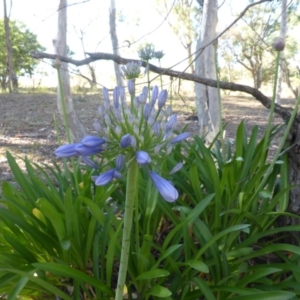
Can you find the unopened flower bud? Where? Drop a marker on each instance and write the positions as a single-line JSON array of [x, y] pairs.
[[279, 44]]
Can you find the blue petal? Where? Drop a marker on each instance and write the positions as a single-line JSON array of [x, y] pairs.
[[130, 86], [162, 98], [116, 96], [66, 150], [164, 187], [89, 162], [154, 95], [142, 157], [93, 141], [172, 122], [87, 151], [181, 137], [105, 178], [119, 161], [176, 168], [125, 141]]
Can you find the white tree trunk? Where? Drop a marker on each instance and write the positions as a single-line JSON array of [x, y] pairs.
[[60, 44], [114, 40], [206, 97], [10, 70], [283, 29]]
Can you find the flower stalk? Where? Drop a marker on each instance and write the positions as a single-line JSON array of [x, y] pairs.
[[131, 187]]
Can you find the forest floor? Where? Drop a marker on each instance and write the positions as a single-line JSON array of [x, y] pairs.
[[27, 122]]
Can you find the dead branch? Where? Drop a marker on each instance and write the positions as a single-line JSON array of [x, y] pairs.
[[263, 99]]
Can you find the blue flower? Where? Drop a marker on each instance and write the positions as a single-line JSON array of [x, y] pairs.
[[87, 151], [119, 161], [176, 168], [66, 150], [147, 111], [105, 177], [162, 98], [172, 122], [130, 86], [116, 96], [89, 162], [142, 157], [181, 137], [164, 187], [154, 95], [93, 141], [125, 141], [132, 70]]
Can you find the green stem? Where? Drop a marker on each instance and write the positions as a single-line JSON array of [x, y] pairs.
[[131, 187], [272, 108], [221, 129], [63, 105]]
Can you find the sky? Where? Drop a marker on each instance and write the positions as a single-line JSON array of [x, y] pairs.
[[91, 19]]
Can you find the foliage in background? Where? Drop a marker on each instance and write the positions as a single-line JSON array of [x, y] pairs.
[[23, 43]]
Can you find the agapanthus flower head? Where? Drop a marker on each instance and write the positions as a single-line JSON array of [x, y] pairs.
[[279, 44], [132, 70], [146, 52], [159, 54], [141, 130]]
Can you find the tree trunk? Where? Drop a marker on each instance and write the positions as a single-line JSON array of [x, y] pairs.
[[207, 97], [76, 128], [12, 79], [114, 40], [281, 63]]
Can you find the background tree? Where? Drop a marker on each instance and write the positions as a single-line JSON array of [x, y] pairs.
[[91, 68], [283, 30], [9, 64], [207, 104], [251, 42], [114, 40], [184, 21], [60, 44], [23, 43]]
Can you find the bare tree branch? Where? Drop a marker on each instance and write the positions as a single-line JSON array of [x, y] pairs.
[[263, 99]]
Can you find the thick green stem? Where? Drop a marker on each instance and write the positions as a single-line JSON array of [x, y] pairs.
[[131, 187]]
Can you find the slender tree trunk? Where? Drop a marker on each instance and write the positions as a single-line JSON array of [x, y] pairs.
[[11, 74], [207, 97], [114, 40], [76, 128], [91, 69], [283, 28]]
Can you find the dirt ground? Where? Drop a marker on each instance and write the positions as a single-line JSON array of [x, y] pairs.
[[27, 122]]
